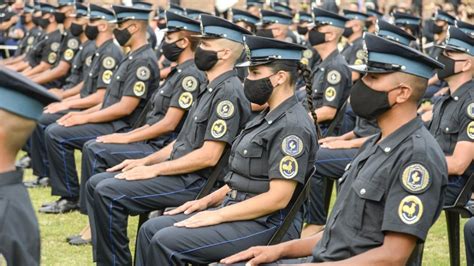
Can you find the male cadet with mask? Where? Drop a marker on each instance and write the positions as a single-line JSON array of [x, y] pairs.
[[411, 24], [276, 25], [164, 118], [129, 88], [392, 192], [176, 173], [57, 74], [249, 22], [331, 76], [452, 123], [150, 33], [96, 75], [310, 56], [21, 104], [353, 31], [45, 52]]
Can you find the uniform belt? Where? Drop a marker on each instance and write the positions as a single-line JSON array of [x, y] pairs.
[[239, 195]]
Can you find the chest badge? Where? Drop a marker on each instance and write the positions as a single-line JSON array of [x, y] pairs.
[[410, 209]]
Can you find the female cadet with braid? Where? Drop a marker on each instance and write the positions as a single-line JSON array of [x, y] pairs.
[[271, 156]]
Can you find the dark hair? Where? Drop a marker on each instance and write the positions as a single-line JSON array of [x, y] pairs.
[[193, 41], [295, 69]]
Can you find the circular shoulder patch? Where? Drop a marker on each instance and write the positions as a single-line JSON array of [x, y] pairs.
[[30, 40], [470, 110], [108, 62], [225, 109], [219, 128], [55, 46], [73, 43], [330, 94], [139, 88], [416, 179], [360, 54], [470, 130], [107, 76], [89, 60], [334, 77], [68, 54], [185, 100], [292, 146], [288, 167], [410, 209], [358, 62], [308, 54], [143, 73], [189, 83], [52, 58]]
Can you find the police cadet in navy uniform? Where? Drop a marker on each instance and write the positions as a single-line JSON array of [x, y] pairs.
[[30, 32], [21, 104], [393, 33], [392, 192], [165, 116], [131, 85], [249, 22], [331, 75], [269, 159], [276, 25], [353, 31], [452, 123], [150, 33], [100, 66], [310, 55], [176, 173], [409, 23]]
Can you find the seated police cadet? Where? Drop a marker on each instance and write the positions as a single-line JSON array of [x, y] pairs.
[[392, 192], [409, 23], [249, 22], [150, 33], [276, 25], [176, 173], [331, 77], [310, 56], [57, 74], [353, 31], [21, 103], [134, 81], [452, 124], [269, 159], [96, 77], [164, 118]]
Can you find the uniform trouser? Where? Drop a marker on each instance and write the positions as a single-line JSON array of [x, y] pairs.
[[469, 241], [455, 185], [110, 201], [160, 243], [97, 157], [60, 143], [39, 159], [330, 163]]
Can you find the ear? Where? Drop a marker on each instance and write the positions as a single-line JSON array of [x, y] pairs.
[[225, 54], [282, 77], [467, 66], [330, 36], [403, 94], [276, 31], [183, 43]]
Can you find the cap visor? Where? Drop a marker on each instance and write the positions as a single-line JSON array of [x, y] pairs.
[[363, 69], [203, 36]]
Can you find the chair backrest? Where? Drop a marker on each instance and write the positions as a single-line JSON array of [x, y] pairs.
[[212, 179], [463, 195], [302, 192], [142, 117], [339, 115]]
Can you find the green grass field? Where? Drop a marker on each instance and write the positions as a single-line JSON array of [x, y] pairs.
[[55, 228]]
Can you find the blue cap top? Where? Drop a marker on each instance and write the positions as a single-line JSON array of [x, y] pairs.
[[22, 96], [385, 56], [80, 10], [241, 15], [124, 13], [28, 9], [195, 13], [97, 12], [159, 14], [37, 6], [324, 17], [392, 32], [374, 13], [142, 4], [62, 3], [466, 27], [354, 15], [258, 3], [305, 17], [214, 27], [406, 19], [262, 50], [273, 17], [175, 22], [459, 41], [282, 8], [47, 8], [441, 15], [177, 9]]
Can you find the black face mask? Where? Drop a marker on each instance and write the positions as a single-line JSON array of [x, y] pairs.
[[347, 32], [449, 67], [59, 17], [367, 102], [161, 26], [258, 91], [122, 36], [302, 30], [36, 20], [205, 59], [91, 32], [316, 37], [76, 29], [43, 22], [437, 29], [265, 33], [171, 50]]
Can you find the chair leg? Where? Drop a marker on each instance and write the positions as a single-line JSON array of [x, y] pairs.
[[328, 183], [452, 222]]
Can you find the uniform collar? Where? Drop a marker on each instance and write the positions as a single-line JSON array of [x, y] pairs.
[[459, 93], [217, 81], [393, 140], [328, 59], [131, 55], [281, 109], [184, 65], [104, 45], [11, 178]]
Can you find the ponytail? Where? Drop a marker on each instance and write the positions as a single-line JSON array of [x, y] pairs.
[[306, 73]]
